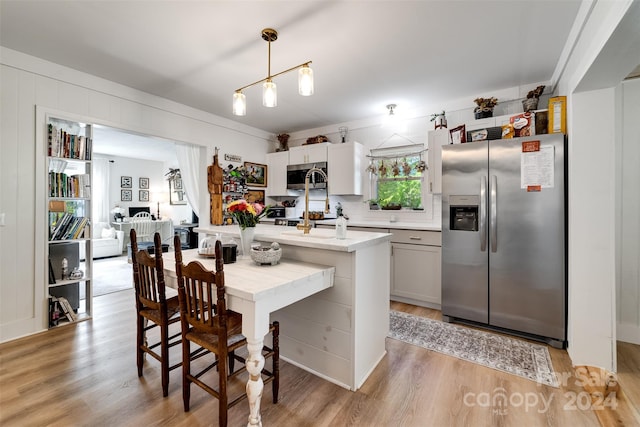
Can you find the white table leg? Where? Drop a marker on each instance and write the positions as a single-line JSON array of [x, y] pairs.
[[255, 363]]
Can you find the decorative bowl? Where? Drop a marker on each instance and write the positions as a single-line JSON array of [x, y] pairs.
[[266, 255]]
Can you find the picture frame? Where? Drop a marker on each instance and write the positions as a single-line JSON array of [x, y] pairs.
[[126, 182], [143, 183], [126, 195], [255, 196], [143, 195], [256, 174], [458, 135], [177, 196]]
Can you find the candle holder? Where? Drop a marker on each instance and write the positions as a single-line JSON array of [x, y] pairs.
[[343, 133]]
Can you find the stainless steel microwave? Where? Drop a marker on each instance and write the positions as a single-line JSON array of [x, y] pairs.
[[297, 173]]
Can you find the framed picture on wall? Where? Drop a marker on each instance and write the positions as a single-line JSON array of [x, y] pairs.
[[177, 196], [143, 195], [125, 181], [256, 174], [126, 195], [255, 196], [144, 183]]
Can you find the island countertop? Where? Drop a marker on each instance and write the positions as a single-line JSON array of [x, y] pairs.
[[317, 238]]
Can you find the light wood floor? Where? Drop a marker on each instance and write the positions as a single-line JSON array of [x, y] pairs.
[[85, 375]]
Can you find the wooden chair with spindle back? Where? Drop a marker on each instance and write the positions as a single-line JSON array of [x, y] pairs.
[[216, 329], [153, 308]]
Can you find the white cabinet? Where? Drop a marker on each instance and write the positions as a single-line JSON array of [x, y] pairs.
[[311, 153], [415, 267], [437, 138], [344, 163], [277, 174]]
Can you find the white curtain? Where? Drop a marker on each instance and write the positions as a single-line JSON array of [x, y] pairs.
[[100, 190], [189, 163]]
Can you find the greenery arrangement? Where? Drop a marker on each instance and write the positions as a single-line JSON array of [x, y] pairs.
[[436, 115], [485, 104], [535, 93]]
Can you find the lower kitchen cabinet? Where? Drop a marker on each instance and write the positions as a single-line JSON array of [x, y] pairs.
[[415, 267]]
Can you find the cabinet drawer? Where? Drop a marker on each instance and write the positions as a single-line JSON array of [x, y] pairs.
[[417, 237], [370, 229]]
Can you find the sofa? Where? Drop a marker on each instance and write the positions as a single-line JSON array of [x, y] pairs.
[[107, 241]]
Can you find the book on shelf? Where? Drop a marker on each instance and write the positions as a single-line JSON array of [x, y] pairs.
[[66, 145], [63, 185], [66, 309], [54, 311], [52, 276], [68, 227]]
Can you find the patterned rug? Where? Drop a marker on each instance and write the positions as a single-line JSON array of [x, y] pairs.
[[514, 356]]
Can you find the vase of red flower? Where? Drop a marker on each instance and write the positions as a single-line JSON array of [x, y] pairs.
[[247, 215]]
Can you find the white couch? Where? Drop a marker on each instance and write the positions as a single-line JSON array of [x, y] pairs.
[[107, 241]]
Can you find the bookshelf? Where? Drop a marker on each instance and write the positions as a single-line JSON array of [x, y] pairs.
[[69, 287]]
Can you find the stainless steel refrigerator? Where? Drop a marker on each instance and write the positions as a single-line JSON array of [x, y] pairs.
[[504, 235]]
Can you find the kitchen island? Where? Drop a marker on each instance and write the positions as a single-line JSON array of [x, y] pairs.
[[338, 333]]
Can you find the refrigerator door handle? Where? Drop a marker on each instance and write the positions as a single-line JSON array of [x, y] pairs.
[[493, 226], [483, 214]]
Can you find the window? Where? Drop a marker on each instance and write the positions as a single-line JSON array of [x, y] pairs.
[[397, 176]]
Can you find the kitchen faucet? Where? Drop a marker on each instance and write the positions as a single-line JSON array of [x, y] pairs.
[[306, 226]]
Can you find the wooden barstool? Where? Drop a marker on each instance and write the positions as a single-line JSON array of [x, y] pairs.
[[216, 329], [152, 306]]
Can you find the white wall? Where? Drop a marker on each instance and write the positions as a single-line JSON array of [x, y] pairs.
[[27, 82], [628, 233], [138, 168], [607, 49]]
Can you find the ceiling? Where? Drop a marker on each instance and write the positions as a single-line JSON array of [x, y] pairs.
[[366, 54]]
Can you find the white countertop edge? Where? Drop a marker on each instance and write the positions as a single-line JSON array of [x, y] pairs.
[[395, 225], [326, 238]]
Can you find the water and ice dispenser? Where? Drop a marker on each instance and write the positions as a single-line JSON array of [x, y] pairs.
[[463, 213]]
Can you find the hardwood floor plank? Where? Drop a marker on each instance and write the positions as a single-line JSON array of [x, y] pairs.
[[85, 374]]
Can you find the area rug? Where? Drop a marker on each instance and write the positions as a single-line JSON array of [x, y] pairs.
[[111, 275], [514, 356]]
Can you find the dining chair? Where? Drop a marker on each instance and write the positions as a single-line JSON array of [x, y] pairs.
[[143, 225], [217, 329], [153, 308]]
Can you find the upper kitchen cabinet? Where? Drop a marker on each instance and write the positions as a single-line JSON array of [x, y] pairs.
[[437, 138], [277, 174], [344, 168], [311, 153]]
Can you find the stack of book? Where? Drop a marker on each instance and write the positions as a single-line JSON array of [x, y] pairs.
[[67, 227], [66, 145], [63, 185]]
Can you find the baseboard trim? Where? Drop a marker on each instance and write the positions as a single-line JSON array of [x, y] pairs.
[[628, 332]]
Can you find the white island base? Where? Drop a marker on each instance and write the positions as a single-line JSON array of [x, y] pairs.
[[338, 333]]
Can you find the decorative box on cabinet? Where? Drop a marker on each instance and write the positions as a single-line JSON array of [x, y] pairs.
[[310, 153], [277, 174], [344, 162], [415, 267]]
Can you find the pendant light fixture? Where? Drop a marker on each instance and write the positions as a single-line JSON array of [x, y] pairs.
[[269, 89]]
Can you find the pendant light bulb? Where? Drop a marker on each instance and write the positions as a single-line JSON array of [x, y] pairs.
[[269, 94], [305, 80], [239, 104]]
